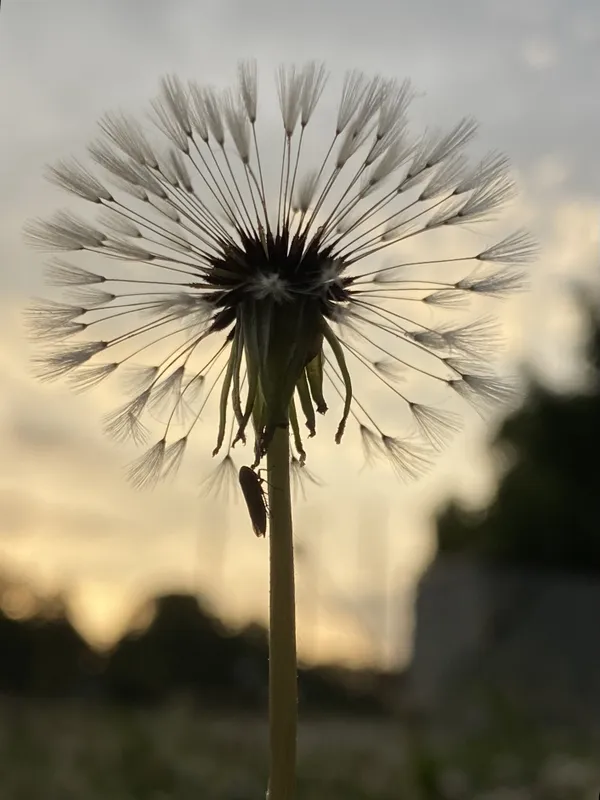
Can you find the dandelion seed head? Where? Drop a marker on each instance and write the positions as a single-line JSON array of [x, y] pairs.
[[219, 275], [263, 286]]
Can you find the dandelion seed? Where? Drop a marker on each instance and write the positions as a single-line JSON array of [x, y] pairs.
[[314, 79], [498, 283], [167, 121], [167, 393], [302, 476], [50, 320], [125, 423], [119, 224], [444, 180], [175, 100], [64, 231], [436, 147], [238, 125], [89, 376], [214, 116], [449, 143], [518, 248], [248, 85], [61, 273], [130, 176], [353, 91], [395, 155], [447, 298], [75, 178], [371, 443], [147, 470], [436, 425], [55, 365], [243, 280], [126, 251], [307, 188], [90, 297], [482, 391], [447, 213], [390, 370], [430, 339], [173, 457], [409, 459], [392, 111], [137, 378], [222, 482], [489, 170], [478, 338], [485, 199], [290, 88], [127, 134]]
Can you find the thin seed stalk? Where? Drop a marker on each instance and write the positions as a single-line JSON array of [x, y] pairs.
[[283, 689]]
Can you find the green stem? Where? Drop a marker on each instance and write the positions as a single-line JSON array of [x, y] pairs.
[[283, 690]]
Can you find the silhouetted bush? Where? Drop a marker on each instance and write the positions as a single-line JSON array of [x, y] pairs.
[[546, 512], [184, 651]]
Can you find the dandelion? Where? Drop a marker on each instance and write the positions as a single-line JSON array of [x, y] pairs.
[[214, 275]]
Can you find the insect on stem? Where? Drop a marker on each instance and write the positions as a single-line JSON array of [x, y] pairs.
[[255, 497]]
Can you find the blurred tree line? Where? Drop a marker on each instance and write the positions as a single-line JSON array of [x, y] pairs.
[[181, 651], [546, 511]]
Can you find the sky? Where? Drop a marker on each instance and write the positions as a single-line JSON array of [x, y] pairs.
[[529, 72]]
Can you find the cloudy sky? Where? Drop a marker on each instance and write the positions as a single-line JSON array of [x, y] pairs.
[[529, 72]]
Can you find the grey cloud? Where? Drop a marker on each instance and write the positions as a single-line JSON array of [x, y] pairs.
[[469, 57], [35, 433], [22, 511]]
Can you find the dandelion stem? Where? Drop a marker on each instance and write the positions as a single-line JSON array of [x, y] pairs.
[[283, 693]]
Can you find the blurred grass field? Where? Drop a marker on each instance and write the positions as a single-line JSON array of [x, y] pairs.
[[87, 752], [57, 752]]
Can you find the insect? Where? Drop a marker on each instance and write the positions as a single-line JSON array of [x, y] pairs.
[[254, 495]]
